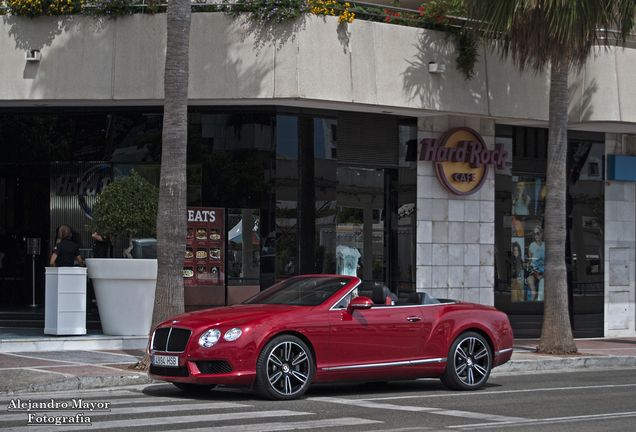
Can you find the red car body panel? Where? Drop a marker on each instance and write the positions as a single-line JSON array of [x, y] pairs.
[[375, 343]]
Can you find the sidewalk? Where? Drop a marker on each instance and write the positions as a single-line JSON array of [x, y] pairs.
[[35, 370], [31, 361]]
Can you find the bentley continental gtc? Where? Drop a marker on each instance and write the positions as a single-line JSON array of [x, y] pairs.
[[319, 328]]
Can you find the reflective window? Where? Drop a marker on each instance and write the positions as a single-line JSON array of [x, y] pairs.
[[520, 241]]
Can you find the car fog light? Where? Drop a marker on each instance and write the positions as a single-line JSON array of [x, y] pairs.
[[233, 334], [209, 338]]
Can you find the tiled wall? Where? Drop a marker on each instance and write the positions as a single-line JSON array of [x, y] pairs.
[[620, 238], [455, 234]]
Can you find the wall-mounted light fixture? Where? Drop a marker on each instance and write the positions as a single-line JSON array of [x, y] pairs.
[[436, 67], [33, 56]]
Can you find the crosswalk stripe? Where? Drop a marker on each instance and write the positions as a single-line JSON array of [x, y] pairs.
[[154, 421], [439, 411], [500, 392], [21, 415], [96, 398], [536, 422], [68, 395], [285, 426]]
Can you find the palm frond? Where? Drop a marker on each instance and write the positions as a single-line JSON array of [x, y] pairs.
[[535, 32]]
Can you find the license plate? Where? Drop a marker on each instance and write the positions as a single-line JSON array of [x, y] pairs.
[[164, 360]]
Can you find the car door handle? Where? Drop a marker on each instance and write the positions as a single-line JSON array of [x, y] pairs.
[[414, 319]]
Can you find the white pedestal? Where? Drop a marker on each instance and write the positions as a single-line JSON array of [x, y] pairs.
[[65, 302]]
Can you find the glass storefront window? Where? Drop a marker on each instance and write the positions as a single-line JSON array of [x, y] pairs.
[[244, 247], [527, 243], [300, 177], [520, 194]]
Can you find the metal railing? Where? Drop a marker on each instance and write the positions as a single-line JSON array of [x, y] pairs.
[[578, 288]]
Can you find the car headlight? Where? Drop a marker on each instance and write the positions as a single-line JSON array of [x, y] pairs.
[[209, 338], [233, 334]]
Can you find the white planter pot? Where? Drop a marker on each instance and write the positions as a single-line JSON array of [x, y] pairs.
[[125, 293]]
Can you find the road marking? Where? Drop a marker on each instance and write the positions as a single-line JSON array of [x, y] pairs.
[[284, 426], [438, 411], [484, 393], [154, 421], [408, 429], [22, 415], [101, 394], [535, 422]]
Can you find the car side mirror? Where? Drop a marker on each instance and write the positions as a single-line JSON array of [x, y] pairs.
[[359, 303]]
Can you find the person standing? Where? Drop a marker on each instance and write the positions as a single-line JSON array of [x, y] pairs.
[[101, 246], [65, 251], [290, 268]]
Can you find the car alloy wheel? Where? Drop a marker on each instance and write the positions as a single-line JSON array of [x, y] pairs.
[[469, 362], [284, 369]]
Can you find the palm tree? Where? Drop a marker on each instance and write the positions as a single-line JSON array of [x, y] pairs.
[[560, 34], [171, 223]]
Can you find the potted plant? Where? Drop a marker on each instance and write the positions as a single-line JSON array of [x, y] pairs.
[[125, 288]]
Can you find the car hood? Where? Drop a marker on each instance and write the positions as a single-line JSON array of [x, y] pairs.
[[234, 315]]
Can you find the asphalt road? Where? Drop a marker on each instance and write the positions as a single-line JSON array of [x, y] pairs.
[[569, 401]]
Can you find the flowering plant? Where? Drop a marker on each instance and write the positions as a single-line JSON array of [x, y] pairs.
[[442, 13], [265, 11], [34, 8], [331, 7]]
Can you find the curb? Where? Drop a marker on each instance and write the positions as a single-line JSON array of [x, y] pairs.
[[82, 383], [511, 367], [566, 363]]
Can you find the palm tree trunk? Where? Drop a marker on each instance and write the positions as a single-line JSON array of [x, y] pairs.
[[556, 333], [171, 217]]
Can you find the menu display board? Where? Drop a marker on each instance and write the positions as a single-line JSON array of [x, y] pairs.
[[205, 247]]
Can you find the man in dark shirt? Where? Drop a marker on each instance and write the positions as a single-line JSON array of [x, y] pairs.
[[101, 246], [65, 251]]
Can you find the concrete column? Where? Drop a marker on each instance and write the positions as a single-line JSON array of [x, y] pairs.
[[455, 234], [620, 252]]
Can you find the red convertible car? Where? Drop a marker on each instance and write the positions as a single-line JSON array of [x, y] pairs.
[[321, 328]]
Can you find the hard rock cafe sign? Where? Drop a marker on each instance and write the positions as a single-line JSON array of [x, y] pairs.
[[462, 159], [85, 184]]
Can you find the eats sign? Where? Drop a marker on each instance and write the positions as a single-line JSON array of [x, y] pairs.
[[205, 247], [462, 159]]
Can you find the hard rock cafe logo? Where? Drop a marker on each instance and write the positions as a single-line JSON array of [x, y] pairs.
[[88, 184], [461, 159]]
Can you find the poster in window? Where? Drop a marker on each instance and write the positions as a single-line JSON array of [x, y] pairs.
[[528, 196], [517, 269], [205, 246], [527, 248]]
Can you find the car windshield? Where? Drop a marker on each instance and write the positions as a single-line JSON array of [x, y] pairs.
[[309, 291]]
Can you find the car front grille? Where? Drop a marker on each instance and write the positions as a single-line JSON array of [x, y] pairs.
[[214, 367], [170, 339], [180, 372]]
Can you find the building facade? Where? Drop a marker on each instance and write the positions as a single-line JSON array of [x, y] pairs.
[[331, 141]]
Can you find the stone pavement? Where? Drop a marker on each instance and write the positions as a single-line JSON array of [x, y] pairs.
[[46, 371]]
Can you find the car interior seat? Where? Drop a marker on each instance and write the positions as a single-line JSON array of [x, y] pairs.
[[382, 295], [414, 298], [421, 298]]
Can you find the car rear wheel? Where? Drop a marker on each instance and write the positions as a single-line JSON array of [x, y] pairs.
[[469, 362], [284, 368], [194, 388]]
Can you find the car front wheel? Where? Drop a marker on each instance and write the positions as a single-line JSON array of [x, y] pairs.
[[284, 368], [469, 362]]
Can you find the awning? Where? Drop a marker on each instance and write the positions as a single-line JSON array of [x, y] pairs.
[[236, 234]]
